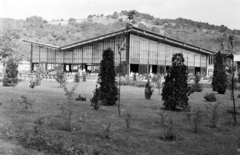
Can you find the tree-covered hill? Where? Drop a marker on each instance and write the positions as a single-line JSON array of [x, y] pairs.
[[61, 32]]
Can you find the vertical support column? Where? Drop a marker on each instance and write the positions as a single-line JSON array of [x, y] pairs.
[[194, 68], [46, 64], [207, 64], [92, 59], [165, 66], [82, 57], [39, 53], [31, 59], [157, 59], [200, 64], [47, 54], [55, 56], [127, 52], [148, 57], [72, 55], [150, 69], [64, 59]]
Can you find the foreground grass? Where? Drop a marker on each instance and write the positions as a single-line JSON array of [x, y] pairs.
[[144, 136]]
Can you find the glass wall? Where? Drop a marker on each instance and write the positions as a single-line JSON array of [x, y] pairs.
[[143, 51], [35, 53], [197, 60], [185, 56], [161, 54], [191, 59], [43, 54], [169, 55], [51, 55], [77, 55], [203, 61], [153, 52], [68, 57], [97, 51], [59, 56], [134, 53], [87, 53]]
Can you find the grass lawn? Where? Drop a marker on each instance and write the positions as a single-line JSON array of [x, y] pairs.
[[89, 126]]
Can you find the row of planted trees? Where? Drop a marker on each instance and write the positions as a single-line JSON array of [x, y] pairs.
[[175, 90]]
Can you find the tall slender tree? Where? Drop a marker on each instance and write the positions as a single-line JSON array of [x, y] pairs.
[[218, 62], [108, 85], [231, 71], [219, 82], [175, 88]]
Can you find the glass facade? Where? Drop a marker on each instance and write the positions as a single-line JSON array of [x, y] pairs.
[[35, 53], [142, 52]]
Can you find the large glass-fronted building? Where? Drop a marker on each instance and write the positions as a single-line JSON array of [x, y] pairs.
[[144, 52]]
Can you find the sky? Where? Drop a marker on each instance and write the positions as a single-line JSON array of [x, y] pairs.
[[217, 12]]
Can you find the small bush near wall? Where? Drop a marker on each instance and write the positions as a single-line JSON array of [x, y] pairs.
[[210, 97], [148, 90], [77, 77]]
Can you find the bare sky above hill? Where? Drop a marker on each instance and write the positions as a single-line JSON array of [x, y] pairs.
[[218, 12]]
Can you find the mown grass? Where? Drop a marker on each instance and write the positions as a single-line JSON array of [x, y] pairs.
[[145, 134]]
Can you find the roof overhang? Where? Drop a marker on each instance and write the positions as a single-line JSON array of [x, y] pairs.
[[94, 39], [141, 32], [41, 44], [171, 41]]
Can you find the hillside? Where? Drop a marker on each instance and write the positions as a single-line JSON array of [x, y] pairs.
[[62, 32], [200, 34]]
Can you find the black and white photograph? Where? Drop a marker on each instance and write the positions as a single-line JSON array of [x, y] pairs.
[[119, 77]]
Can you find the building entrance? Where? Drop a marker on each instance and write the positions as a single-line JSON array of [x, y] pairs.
[[134, 68]]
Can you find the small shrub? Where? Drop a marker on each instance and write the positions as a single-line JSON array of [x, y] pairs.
[[40, 71], [32, 84], [196, 87], [210, 97], [81, 98], [148, 90], [128, 118], [84, 77], [163, 116], [77, 77], [60, 76], [155, 78], [169, 133], [27, 104], [134, 77], [214, 114], [196, 119], [108, 131], [66, 108], [95, 102], [11, 73], [82, 117]]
